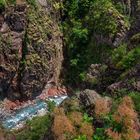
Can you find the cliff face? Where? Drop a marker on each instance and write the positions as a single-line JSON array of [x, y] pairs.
[[30, 48]]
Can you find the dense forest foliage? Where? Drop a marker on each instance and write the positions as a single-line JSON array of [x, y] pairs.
[[90, 29]]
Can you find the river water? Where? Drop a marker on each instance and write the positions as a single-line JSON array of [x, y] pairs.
[[17, 120]]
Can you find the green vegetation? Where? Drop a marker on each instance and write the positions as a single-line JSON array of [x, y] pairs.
[[136, 99], [86, 22], [32, 2], [51, 105], [89, 29], [2, 4], [131, 59], [124, 58], [38, 127], [119, 53], [11, 1], [81, 137], [35, 129], [38, 28], [87, 118], [100, 134], [116, 125]]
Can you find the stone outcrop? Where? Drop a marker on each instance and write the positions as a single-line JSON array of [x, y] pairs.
[[129, 81], [88, 99], [95, 73], [12, 35], [122, 28], [100, 76], [106, 78], [31, 49]]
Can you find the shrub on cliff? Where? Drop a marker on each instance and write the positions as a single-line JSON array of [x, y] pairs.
[[2, 5], [128, 120], [124, 58], [70, 126], [87, 24], [35, 129], [136, 99], [62, 127], [121, 123], [32, 2], [102, 108]]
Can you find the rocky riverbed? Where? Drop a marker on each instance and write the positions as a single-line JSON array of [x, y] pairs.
[[13, 115]]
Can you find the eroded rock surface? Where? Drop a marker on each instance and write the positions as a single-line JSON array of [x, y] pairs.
[[31, 50], [89, 98]]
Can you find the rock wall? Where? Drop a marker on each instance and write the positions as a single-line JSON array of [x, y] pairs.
[[30, 49]]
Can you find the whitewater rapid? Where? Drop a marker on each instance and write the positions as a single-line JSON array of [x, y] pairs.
[[38, 108]]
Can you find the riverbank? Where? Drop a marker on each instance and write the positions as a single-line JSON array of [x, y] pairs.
[[13, 115]]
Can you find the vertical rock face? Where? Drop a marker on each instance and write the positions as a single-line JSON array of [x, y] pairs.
[[130, 8], [30, 49], [12, 30]]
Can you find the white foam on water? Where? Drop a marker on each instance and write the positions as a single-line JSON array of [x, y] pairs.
[[38, 109]]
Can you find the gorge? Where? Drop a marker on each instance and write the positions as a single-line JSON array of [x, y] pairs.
[[84, 55]]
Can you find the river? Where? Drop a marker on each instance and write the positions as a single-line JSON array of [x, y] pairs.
[[39, 107]]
